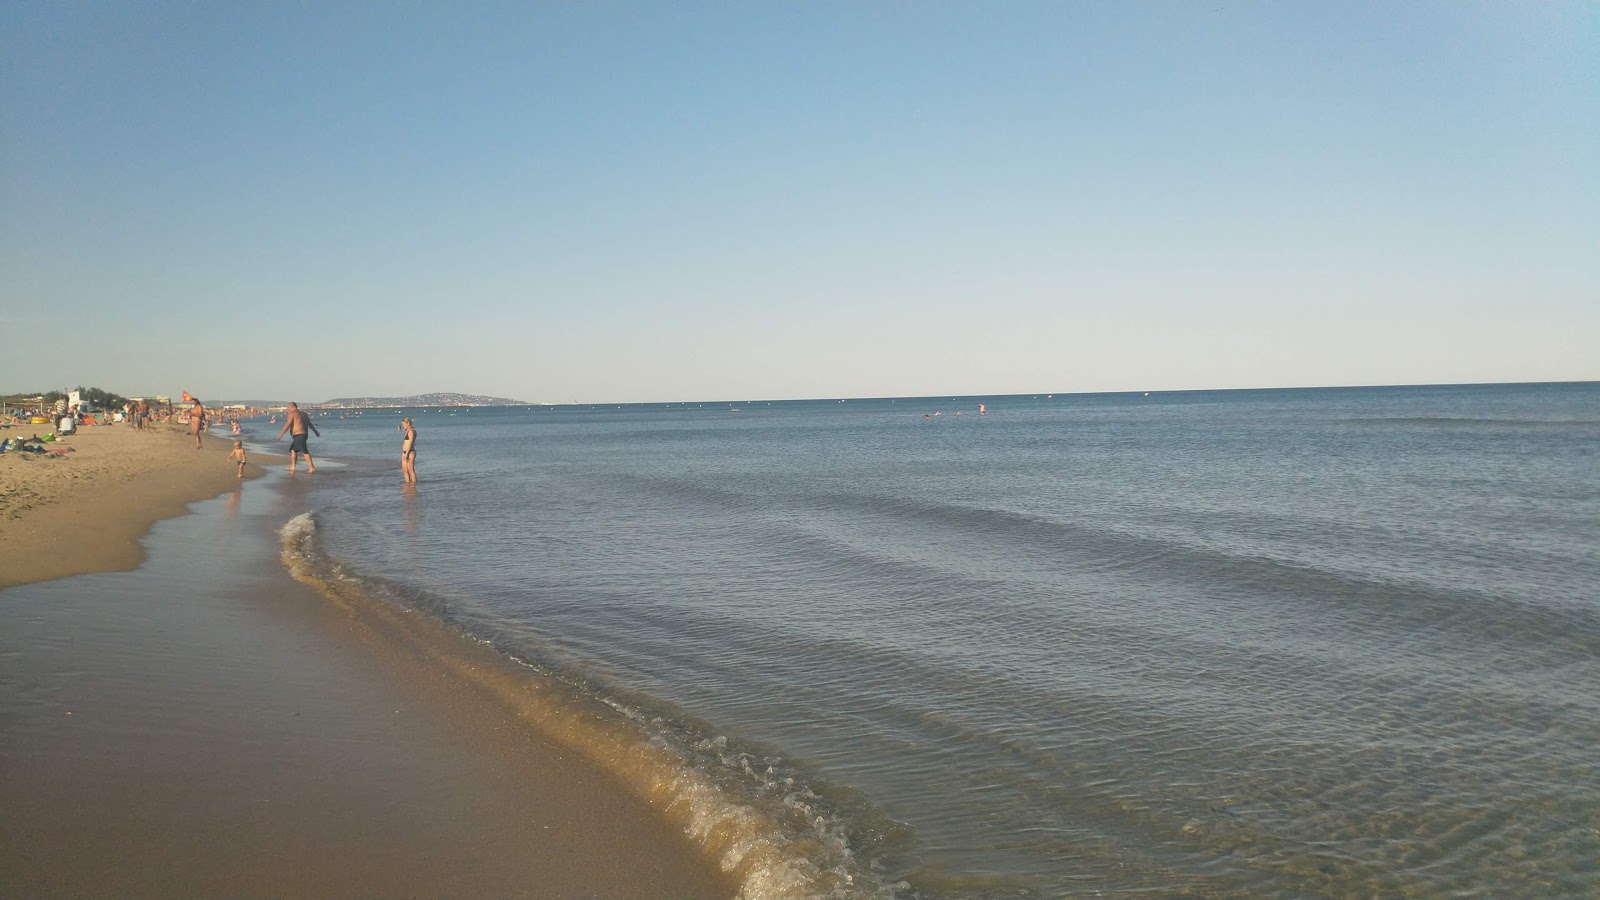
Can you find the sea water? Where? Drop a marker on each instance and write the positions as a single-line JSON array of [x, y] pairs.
[[1338, 642]]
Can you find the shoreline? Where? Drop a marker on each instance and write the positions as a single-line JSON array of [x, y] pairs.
[[183, 717], [86, 510]]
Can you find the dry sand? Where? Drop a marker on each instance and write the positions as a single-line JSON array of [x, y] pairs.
[[204, 725]]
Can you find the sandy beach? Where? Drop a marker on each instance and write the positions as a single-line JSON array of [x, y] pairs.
[[182, 718], [85, 510]]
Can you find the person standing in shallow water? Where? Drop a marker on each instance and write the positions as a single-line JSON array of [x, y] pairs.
[[408, 450], [296, 422]]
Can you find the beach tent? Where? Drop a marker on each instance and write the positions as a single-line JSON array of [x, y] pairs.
[[15, 405]]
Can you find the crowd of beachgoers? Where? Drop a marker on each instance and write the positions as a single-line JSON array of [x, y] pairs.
[[64, 417]]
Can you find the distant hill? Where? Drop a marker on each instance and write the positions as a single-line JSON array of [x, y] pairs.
[[445, 399], [258, 404]]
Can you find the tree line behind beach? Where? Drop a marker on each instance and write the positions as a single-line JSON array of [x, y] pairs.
[[42, 403]]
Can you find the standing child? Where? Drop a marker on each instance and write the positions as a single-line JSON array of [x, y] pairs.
[[237, 456]]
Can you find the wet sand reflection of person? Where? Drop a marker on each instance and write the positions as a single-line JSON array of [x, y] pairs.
[[408, 503]]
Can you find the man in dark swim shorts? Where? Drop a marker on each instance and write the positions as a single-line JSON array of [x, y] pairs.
[[296, 422]]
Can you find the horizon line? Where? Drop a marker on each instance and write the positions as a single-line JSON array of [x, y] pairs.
[[954, 396]]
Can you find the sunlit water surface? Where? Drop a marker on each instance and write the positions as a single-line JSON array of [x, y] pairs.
[[1298, 642]]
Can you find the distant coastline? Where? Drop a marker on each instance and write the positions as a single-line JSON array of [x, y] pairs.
[[472, 400], [437, 399], [414, 400]]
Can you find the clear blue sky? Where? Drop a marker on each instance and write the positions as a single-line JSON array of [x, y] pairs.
[[675, 201]]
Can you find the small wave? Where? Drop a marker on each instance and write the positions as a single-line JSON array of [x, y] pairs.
[[298, 529], [1374, 601], [756, 818]]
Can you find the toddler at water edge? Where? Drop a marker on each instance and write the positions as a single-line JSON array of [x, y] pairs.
[[237, 456]]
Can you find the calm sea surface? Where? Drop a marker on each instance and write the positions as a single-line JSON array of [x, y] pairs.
[[1318, 642]]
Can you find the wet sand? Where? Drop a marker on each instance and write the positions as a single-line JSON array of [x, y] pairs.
[[204, 725]]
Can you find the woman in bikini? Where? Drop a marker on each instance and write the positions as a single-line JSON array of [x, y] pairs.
[[408, 450]]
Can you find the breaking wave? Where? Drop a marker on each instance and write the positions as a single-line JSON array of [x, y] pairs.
[[756, 817]]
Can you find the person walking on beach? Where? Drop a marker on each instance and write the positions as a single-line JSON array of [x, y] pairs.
[[237, 456], [408, 450], [197, 419], [296, 422]]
